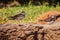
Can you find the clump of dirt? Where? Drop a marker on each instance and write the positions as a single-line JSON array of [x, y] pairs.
[[17, 32], [52, 34]]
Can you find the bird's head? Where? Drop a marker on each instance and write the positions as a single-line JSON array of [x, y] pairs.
[[23, 13]]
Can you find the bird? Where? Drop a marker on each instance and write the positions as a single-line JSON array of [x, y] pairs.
[[18, 16], [52, 18]]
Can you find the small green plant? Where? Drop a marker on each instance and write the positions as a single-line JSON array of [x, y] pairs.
[[32, 12]]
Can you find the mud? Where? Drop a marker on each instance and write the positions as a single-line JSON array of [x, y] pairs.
[[15, 32]]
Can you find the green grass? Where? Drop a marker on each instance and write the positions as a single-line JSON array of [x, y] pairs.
[[32, 12]]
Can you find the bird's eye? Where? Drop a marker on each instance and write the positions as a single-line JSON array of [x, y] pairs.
[[53, 17]]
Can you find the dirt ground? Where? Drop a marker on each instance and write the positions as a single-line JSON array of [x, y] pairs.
[[47, 27]]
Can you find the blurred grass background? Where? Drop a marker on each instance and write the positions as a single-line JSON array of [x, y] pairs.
[[32, 12]]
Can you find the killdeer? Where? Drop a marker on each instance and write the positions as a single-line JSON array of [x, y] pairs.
[[19, 16], [50, 20]]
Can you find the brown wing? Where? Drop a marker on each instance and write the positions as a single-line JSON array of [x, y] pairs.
[[19, 16]]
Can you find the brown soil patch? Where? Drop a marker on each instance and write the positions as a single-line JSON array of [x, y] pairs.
[[18, 32]]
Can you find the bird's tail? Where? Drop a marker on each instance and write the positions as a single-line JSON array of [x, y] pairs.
[[11, 18]]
